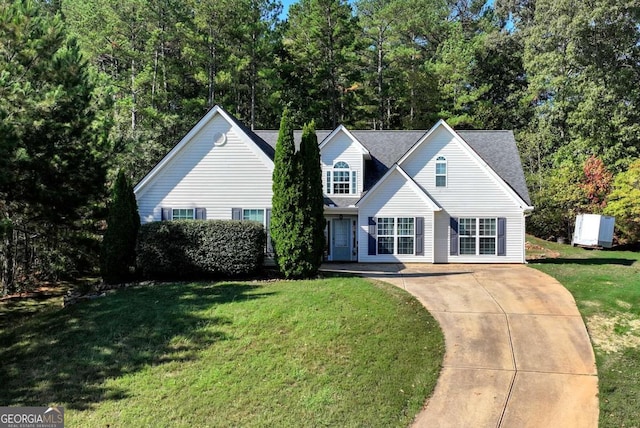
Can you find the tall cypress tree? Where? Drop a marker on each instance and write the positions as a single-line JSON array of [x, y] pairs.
[[118, 254], [285, 229], [312, 205]]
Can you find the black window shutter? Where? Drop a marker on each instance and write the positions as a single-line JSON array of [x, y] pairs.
[[201, 213], [453, 244], [419, 236], [267, 226], [373, 232], [166, 214], [502, 236], [236, 213]]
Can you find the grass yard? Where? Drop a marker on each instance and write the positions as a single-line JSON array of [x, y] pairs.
[[338, 351], [606, 286]]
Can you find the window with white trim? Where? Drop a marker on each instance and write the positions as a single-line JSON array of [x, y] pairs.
[[253, 215], [386, 228], [341, 180], [405, 235], [396, 235], [183, 214], [478, 236], [441, 171]]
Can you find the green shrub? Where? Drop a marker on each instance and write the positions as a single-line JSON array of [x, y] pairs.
[[193, 249]]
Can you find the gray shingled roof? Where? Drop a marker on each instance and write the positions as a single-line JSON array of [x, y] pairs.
[[497, 148], [271, 136]]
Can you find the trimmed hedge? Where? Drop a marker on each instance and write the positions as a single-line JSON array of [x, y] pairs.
[[192, 249]]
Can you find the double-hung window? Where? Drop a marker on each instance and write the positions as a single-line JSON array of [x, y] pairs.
[[396, 235], [341, 180], [441, 171], [477, 236], [405, 235], [386, 235]]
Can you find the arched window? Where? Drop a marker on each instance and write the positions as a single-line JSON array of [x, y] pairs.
[[341, 180], [441, 171]]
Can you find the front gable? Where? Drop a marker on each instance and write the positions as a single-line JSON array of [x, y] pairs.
[[396, 198], [468, 183], [342, 159], [216, 166], [396, 191]]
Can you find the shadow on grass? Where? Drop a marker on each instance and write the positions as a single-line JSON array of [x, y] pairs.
[[66, 356], [592, 261], [381, 275]]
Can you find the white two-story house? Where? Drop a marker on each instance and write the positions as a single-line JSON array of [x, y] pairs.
[[436, 196]]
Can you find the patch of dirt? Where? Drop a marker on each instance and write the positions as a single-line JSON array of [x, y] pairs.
[[623, 304], [591, 304], [537, 252], [40, 293], [602, 330]]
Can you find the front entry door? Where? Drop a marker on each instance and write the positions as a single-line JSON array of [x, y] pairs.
[[341, 240]]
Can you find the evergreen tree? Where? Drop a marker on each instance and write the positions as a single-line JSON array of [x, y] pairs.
[[285, 227], [52, 145], [311, 210], [118, 255], [322, 71]]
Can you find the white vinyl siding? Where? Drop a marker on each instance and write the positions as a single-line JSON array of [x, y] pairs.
[[397, 200], [342, 149], [217, 178], [470, 192]]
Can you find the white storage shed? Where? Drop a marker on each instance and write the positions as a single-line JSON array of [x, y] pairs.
[[593, 230]]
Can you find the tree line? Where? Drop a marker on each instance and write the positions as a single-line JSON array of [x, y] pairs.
[[88, 87]]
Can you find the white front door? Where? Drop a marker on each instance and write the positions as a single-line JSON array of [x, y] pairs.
[[341, 239]]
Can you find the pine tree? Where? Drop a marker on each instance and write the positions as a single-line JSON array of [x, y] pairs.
[[285, 229], [312, 206], [118, 254], [323, 73], [53, 145]]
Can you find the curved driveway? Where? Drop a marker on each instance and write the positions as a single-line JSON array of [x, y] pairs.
[[517, 350]]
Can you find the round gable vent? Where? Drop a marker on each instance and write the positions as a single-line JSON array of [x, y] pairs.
[[219, 139]]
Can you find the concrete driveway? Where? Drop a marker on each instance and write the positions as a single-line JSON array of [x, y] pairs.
[[517, 350]]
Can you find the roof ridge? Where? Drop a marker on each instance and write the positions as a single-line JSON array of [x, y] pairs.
[[484, 130]]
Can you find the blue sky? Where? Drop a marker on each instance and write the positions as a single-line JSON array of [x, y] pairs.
[[285, 8]]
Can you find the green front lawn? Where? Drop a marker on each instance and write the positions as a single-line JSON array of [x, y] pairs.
[[606, 286], [332, 352]]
